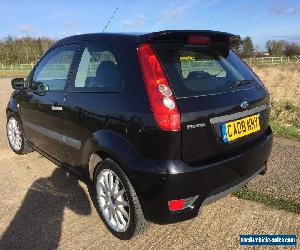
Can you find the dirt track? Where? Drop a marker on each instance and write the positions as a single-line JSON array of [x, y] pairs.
[[41, 206]]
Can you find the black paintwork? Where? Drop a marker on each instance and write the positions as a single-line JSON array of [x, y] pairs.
[[118, 123]]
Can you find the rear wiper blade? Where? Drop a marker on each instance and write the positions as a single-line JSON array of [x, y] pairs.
[[241, 82]]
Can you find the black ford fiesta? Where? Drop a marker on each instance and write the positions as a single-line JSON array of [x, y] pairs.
[[159, 124]]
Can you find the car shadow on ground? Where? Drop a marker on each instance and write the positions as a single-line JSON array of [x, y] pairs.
[[38, 222]]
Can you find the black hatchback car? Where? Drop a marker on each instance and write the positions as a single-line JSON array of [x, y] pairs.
[[159, 123]]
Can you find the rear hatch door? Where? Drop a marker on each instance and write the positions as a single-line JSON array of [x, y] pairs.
[[223, 105]]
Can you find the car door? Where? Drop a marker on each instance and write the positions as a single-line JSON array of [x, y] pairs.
[[42, 110], [92, 96]]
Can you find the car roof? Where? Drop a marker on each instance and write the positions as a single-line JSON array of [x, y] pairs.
[[141, 37]]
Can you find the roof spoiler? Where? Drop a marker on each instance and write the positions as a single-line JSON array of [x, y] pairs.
[[183, 35]]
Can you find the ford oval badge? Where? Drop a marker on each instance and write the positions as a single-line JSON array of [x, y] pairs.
[[244, 104]]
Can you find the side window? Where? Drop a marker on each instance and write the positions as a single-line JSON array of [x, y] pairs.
[[98, 68], [53, 70]]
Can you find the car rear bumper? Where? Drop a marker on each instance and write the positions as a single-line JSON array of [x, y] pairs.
[[157, 182]]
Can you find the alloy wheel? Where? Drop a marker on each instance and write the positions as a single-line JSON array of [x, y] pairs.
[[113, 201], [14, 134]]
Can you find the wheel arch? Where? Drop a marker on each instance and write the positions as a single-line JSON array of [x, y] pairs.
[[8, 111], [107, 144], [12, 107]]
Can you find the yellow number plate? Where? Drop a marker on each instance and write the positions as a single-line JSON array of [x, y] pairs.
[[239, 128]]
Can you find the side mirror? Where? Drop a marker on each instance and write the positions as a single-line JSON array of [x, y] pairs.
[[18, 83], [42, 87]]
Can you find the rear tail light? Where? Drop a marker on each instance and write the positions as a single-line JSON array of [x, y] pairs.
[[198, 39], [177, 205], [159, 93]]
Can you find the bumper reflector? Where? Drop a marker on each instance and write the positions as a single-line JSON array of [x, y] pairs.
[[176, 205]]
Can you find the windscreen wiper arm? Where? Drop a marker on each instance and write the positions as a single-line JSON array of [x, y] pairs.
[[241, 82]]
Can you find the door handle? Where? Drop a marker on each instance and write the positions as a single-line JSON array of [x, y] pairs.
[[56, 108]]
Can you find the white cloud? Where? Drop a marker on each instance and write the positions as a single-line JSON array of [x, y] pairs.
[[63, 34], [69, 24], [67, 33], [135, 22], [176, 12], [280, 7], [26, 28]]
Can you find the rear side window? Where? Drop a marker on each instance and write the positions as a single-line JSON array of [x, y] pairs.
[[201, 70], [98, 68], [53, 69]]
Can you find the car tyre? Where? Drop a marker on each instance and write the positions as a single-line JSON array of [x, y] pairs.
[[116, 200], [15, 136]]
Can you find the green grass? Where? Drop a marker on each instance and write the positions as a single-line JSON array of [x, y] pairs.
[[269, 200], [14, 74], [285, 119], [289, 132]]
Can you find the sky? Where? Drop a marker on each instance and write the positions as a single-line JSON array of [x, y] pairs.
[[260, 19]]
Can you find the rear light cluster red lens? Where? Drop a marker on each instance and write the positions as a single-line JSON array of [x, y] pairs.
[[162, 101]]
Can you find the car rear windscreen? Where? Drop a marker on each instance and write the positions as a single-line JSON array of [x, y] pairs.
[[202, 70]]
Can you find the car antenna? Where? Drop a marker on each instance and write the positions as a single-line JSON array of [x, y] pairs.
[[108, 22]]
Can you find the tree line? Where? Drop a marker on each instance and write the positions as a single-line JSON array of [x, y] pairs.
[[23, 50], [278, 48], [29, 50], [245, 48]]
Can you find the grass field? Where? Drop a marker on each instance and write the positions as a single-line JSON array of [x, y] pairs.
[[283, 83], [13, 73]]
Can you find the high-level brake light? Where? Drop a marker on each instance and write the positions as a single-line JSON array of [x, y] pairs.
[[159, 93], [198, 39]]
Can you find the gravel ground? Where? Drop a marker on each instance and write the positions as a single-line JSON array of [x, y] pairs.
[[283, 176], [43, 207]]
